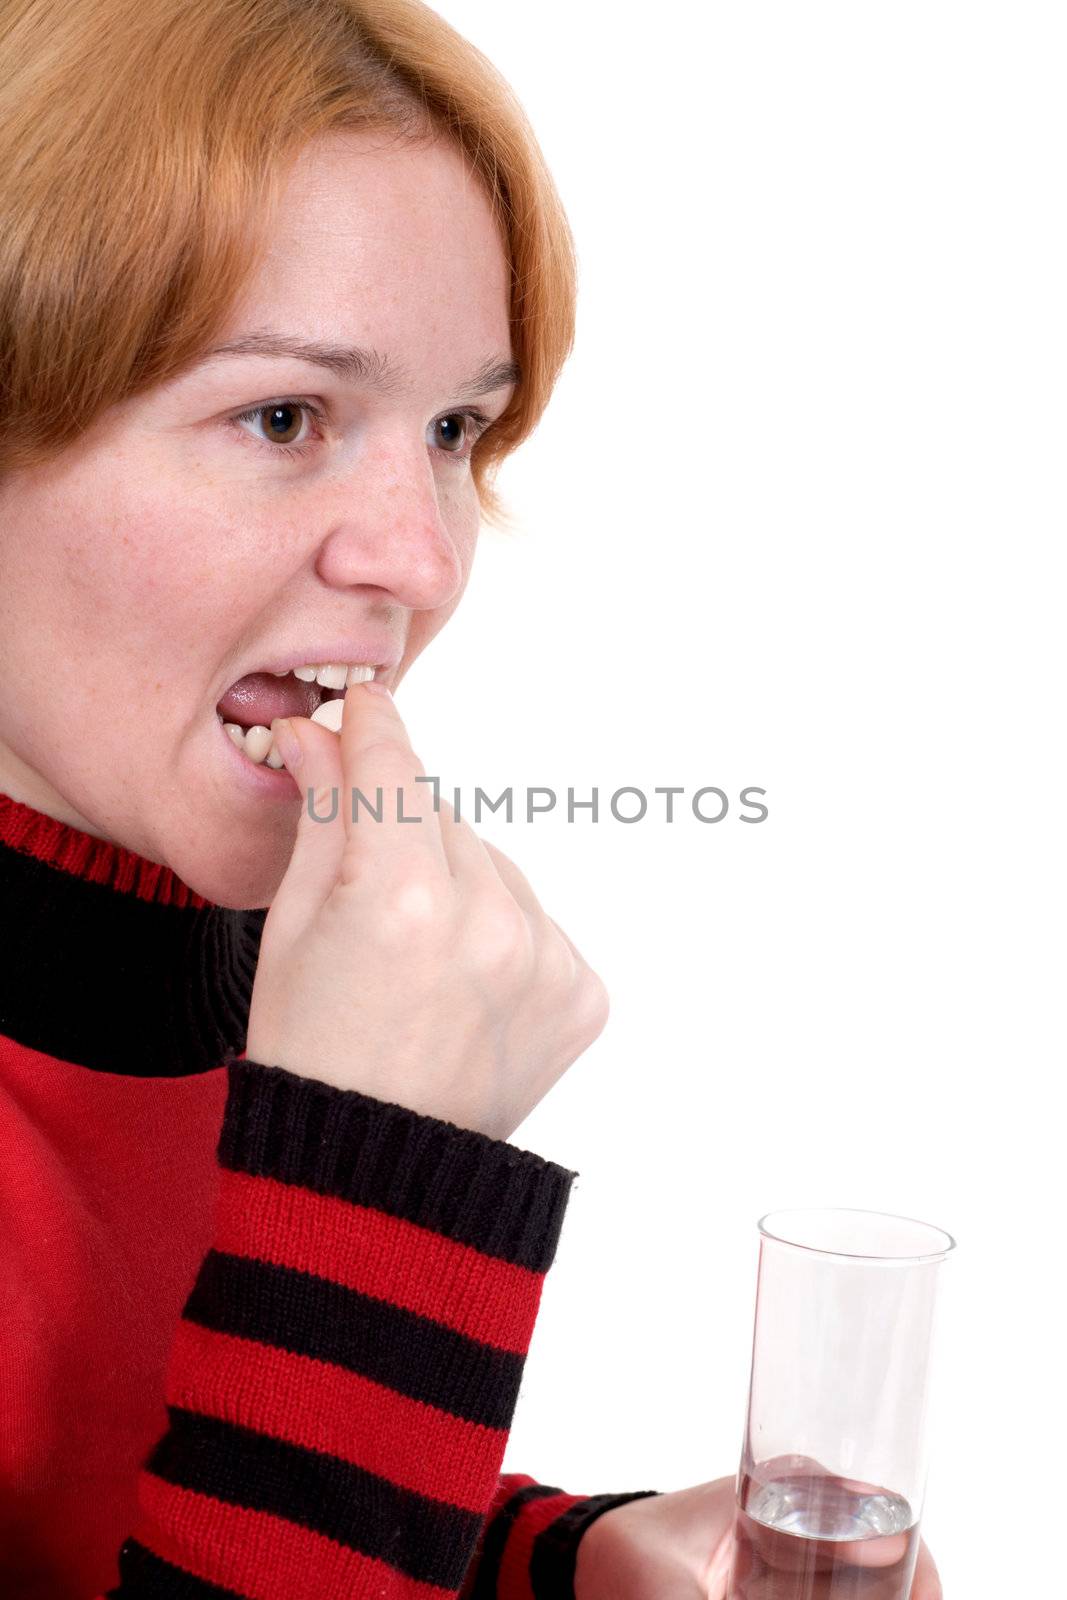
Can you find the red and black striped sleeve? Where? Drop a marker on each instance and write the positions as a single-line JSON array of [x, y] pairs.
[[528, 1547], [346, 1367]]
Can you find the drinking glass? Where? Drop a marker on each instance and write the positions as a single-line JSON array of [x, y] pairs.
[[833, 1465]]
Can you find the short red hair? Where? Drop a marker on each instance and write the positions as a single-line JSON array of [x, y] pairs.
[[142, 147]]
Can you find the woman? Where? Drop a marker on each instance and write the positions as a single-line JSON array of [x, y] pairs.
[[281, 285]]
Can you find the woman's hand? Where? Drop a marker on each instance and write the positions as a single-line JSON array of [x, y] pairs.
[[409, 959], [680, 1547]]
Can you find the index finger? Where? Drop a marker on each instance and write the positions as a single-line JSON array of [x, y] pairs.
[[384, 807], [926, 1584]]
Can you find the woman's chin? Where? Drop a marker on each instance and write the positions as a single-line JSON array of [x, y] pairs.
[[236, 838], [242, 878]]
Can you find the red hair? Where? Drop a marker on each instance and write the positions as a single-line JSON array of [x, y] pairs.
[[142, 149]]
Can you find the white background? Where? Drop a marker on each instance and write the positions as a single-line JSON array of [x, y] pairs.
[[794, 519]]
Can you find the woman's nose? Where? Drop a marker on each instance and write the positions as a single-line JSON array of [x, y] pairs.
[[388, 531]]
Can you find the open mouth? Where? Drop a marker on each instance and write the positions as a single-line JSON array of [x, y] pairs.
[[249, 706]]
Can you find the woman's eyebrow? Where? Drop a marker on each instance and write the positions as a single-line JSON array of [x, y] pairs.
[[356, 365]]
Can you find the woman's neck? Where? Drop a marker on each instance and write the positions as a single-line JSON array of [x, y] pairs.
[[21, 783]]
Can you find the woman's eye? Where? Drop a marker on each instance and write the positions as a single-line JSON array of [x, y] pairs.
[[452, 431], [285, 426], [459, 431], [282, 422]]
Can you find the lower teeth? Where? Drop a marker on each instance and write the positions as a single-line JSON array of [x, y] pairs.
[[257, 743]]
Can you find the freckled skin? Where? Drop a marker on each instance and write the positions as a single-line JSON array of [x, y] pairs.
[[169, 551]]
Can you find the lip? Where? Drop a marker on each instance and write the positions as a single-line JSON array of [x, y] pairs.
[[381, 653], [271, 783], [277, 783]]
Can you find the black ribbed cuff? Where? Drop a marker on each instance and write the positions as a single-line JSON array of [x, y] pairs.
[[484, 1192], [555, 1551]]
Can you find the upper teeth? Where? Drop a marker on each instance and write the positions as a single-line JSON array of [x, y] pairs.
[[330, 674], [258, 743]]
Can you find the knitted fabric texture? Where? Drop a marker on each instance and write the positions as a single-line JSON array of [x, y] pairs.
[[261, 1338]]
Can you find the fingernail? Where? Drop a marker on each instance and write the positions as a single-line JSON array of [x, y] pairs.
[[287, 742], [372, 686]]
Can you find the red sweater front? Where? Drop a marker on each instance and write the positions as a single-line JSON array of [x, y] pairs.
[[260, 1338]]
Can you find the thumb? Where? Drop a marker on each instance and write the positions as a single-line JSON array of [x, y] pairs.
[[312, 757], [716, 1578]]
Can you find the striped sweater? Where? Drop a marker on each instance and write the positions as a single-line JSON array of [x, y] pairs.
[[260, 1338]]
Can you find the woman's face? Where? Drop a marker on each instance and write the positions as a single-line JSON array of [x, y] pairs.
[[178, 548]]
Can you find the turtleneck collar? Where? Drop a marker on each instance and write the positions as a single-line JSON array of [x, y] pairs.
[[110, 961]]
